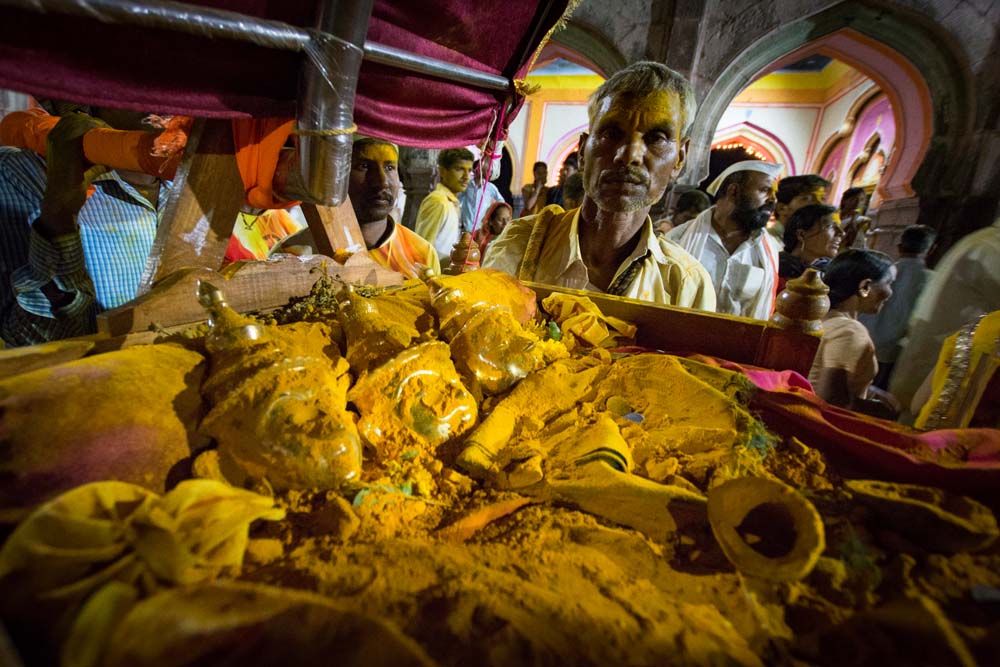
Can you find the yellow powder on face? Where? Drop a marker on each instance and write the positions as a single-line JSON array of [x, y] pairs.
[[380, 154]]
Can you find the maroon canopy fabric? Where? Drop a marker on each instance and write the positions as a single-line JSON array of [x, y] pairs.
[[85, 60]]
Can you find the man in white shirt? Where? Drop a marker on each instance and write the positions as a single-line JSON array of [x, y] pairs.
[[439, 216], [477, 199], [730, 241]]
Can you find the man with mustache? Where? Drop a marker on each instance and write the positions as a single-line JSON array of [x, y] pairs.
[[373, 189], [731, 242], [640, 120]]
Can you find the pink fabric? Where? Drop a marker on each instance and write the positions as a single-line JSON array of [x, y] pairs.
[[969, 459], [88, 61]]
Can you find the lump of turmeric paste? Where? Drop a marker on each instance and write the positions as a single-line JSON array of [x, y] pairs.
[[279, 402], [416, 399], [491, 349]]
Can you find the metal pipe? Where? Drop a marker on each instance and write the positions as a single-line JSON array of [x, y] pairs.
[[389, 55], [329, 80], [223, 24], [179, 17]]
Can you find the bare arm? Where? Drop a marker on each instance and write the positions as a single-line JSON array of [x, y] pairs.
[[832, 386], [530, 194]]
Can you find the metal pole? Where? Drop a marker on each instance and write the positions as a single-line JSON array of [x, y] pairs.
[[222, 24], [388, 55], [325, 121]]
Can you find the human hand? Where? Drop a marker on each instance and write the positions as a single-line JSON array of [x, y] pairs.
[[68, 174], [890, 402]]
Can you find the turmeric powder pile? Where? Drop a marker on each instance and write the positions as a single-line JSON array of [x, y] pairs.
[[534, 498]]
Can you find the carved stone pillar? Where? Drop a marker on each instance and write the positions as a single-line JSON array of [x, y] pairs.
[[417, 167], [892, 218]]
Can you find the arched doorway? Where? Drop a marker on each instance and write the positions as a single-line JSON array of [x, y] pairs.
[[549, 125], [909, 61]]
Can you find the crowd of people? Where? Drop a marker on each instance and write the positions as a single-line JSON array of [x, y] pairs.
[[604, 226]]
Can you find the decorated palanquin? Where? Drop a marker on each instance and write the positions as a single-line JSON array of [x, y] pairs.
[[465, 470], [458, 470]]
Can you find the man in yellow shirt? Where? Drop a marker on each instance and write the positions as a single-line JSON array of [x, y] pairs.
[[439, 217], [373, 189], [640, 121]]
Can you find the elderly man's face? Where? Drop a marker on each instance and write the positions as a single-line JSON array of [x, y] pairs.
[[374, 182], [634, 150]]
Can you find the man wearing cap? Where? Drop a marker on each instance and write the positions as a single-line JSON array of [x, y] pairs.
[[640, 120], [730, 241], [373, 188]]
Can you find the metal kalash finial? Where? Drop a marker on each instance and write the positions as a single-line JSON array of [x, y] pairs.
[[228, 327]]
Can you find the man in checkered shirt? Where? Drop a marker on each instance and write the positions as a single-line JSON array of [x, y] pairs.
[[66, 255]]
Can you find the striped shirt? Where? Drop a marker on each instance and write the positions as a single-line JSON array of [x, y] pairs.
[[100, 266]]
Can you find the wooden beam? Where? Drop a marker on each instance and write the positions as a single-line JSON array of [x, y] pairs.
[[334, 228], [202, 207], [248, 286], [681, 330]]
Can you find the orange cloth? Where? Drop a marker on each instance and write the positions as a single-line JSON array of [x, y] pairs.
[[258, 143], [255, 235], [147, 152], [406, 252]]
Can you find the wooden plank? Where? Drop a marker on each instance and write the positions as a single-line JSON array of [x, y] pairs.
[[334, 228], [202, 207], [787, 350], [682, 330], [247, 286], [19, 360]]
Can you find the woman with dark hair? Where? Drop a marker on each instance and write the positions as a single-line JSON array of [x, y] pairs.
[[812, 238], [497, 218], [860, 281]]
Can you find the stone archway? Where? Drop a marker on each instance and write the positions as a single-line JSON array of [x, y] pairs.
[[581, 44], [910, 60]]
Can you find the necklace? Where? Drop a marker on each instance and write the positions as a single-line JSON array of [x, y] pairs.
[[248, 221]]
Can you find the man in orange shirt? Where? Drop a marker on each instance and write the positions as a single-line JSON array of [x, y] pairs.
[[373, 189]]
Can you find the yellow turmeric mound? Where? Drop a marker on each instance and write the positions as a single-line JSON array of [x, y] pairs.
[[415, 400], [129, 415], [562, 519], [279, 408]]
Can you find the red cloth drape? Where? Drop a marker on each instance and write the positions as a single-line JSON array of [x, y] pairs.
[[86, 60], [968, 460]]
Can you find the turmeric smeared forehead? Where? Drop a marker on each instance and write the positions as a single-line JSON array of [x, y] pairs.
[[377, 152], [660, 109]]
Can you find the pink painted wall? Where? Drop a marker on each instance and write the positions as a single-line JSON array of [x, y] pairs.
[[876, 117], [832, 167]]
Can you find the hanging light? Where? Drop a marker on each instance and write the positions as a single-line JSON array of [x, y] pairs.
[[731, 146]]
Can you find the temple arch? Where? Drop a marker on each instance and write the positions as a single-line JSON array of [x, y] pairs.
[[909, 61]]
